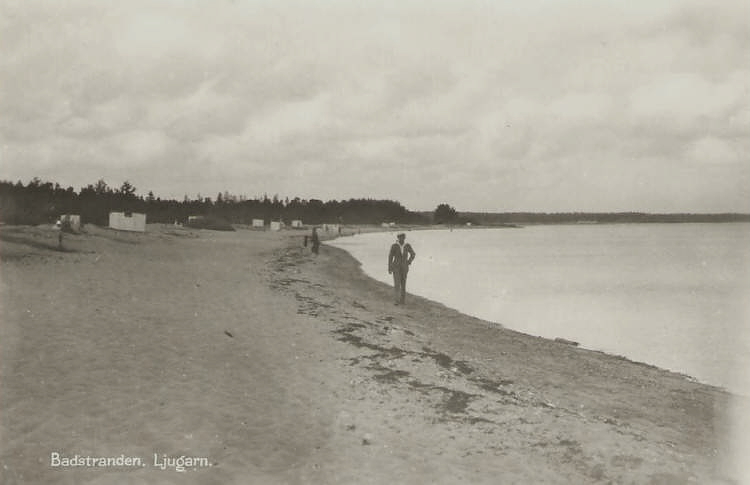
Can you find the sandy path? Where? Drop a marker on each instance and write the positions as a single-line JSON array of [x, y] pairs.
[[282, 367]]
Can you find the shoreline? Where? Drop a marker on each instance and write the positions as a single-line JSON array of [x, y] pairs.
[[649, 390], [578, 340], [555, 340], [284, 367]]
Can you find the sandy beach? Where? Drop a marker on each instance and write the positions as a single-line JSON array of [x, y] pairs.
[[242, 358]]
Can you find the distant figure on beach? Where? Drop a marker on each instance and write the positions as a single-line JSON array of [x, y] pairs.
[[315, 240], [399, 259]]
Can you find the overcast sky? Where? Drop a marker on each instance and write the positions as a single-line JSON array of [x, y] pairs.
[[541, 105]]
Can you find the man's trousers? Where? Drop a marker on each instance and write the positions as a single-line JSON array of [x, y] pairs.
[[399, 285]]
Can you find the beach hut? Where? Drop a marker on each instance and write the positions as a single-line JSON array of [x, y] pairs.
[[296, 224], [275, 226], [331, 228], [127, 221], [258, 223]]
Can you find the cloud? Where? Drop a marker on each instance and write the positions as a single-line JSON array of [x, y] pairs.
[[538, 100], [664, 99], [713, 150]]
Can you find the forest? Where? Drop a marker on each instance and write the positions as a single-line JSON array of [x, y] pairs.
[[41, 202]]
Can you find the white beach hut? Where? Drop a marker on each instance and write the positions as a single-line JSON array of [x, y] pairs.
[[127, 221], [258, 223]]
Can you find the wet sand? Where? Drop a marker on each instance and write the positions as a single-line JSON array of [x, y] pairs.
[[272, 365]]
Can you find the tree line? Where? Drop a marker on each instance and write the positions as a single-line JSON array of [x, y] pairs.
[[41, 202], [511, 218]]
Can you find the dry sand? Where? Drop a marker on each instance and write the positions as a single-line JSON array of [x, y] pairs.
[[278, 366]]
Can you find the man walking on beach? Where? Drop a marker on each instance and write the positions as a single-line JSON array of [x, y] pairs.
[[399, 259], [315, 241]]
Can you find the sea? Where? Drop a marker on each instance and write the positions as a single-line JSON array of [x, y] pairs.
[[676, 296]]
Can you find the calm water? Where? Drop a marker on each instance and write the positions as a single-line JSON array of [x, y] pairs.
[[672, 295]]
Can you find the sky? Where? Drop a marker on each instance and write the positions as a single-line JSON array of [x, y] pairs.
[[540, 105]]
